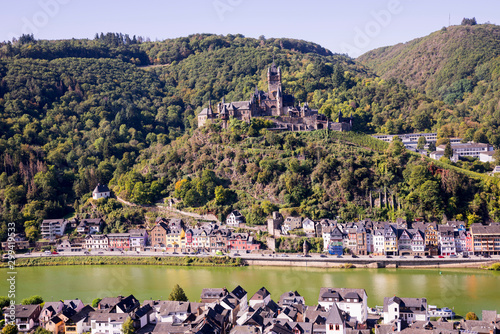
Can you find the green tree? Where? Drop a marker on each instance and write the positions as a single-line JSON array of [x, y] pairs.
[[33, 300], [220, 195], [448, 151], [471, 316], [128, 326], [421, 143], [10, 329], [432, 147], [41, 330], [95, 302], [4, 301], [472, 218], [177, 294]]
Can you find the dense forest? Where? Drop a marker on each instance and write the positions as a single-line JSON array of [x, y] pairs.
[[122, 110], [459, 65]]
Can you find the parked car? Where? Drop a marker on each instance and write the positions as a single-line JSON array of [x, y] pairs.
[[453, 256], [388, 257], [355, 256], [465, 256], [429, 256], [284, 255], [487, 255], [441, 256], [402, 257], [322, 255], [417, 257], [54, 253], [47, 252], [100, 253], [339, 256]]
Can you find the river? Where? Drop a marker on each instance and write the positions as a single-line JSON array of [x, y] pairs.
[[465, 290]]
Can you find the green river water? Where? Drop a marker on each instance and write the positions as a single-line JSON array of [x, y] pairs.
[[465, 290]]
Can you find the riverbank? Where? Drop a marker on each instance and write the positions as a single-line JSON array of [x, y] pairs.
[[211, 261], [227, 261]]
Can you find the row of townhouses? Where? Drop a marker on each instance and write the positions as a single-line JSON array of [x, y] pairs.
[[338, 311], [172, 234], [366, 237]]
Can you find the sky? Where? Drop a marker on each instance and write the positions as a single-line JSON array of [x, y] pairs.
[[348, 26]]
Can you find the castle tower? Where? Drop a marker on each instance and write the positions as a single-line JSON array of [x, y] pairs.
[[274, 87]]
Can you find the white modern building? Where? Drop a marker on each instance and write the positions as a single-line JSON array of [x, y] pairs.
[[52, 228]]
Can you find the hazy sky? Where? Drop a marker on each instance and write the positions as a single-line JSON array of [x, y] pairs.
[[347, 26]]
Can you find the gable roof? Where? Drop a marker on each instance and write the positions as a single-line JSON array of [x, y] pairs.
[[239, 292], [101, 188], [260, 294], [84, 312], [26, 311], [334, 316]]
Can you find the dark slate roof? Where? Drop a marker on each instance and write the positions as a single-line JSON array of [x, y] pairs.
[[56, 319], [101, 188], [84, 312], [109, 302], [239, 292], [341, 293], [419, 304], [142, 311]]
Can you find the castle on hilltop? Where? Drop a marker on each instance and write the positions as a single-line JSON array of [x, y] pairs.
[[287, 115]]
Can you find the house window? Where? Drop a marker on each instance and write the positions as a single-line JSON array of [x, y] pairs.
[[337, 327], [331, 327]]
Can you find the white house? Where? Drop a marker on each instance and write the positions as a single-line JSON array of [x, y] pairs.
[[308, 226], [408, 309], [447, 240], [352, 301], [27, 317], [335, 323], [101, 191], [96, 241], [234, 219], [378, 241], [174, 312], [109, 323]]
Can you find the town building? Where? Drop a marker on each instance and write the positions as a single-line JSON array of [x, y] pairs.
[[138, 239], [119, 241], [52, 228], [407, 309], [234, 219], [352, 301], [486, 239]]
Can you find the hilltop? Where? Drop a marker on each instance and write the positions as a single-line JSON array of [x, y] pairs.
[[459, 65]]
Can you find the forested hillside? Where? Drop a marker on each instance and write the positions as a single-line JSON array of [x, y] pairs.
[[459, 65], [113, 110], [317, 174]]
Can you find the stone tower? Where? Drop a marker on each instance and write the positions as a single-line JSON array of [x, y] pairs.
[[274, 87]]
